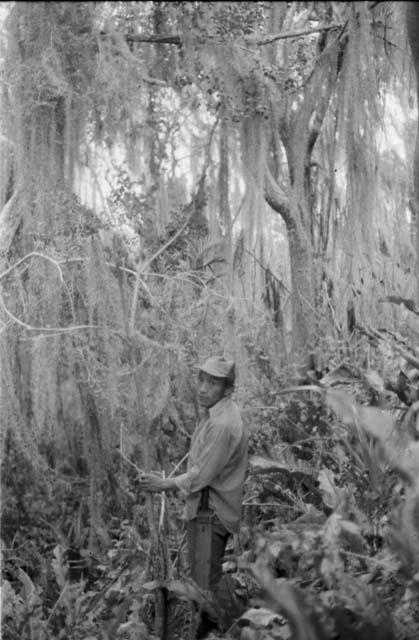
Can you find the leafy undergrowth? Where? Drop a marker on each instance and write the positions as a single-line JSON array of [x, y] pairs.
[[332, 513], [328, 548]]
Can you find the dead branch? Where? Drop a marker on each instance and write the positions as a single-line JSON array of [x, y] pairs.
[[373, 333], [176, 467], [297, 34], [406, 302], [154, 39], [176, 39], [30, 255], [138, 470], [30, 327], [124, 49], [76, 327]]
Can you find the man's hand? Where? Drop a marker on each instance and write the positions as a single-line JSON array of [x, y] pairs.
[[154, 484]]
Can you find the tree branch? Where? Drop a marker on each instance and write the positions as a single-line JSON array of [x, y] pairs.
[[30, 327], [370, 332], [317, 93], [406, 302], [147, 264], [154, 39], [277, 199], [176, 39], [30, 255], [296, 34], [193, 205]]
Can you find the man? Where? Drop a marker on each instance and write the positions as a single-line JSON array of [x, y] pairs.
[[216, 466]]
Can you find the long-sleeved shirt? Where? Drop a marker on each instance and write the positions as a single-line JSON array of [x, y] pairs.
[[218, 460]]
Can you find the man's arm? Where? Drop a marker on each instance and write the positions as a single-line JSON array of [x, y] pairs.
[[155, 484], [215, 452], [211, 459]]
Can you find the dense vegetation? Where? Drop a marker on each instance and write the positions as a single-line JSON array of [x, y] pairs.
[[179, 179]]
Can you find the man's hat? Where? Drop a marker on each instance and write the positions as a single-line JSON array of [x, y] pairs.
[[219, 367]]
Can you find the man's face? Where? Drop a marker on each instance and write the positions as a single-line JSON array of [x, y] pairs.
[[210, 389]]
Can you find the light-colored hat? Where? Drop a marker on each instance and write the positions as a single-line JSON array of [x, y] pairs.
[[219, 367]]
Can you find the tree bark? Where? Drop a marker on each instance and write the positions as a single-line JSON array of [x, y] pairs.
[[412, 24], [301, 267], [9, 222], [298, 130], [224, 201], [43, 107]]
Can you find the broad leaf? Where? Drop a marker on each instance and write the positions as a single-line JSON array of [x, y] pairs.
[[265, 464], [330, 493], [375, 380], [259, 618], [343, 405]]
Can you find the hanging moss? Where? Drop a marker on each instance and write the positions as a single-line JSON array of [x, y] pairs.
[[56, 379], [44, 384]]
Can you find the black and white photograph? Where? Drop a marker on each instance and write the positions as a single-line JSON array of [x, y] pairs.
[[209, 320]]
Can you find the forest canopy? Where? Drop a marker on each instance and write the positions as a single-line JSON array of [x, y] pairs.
[[179, 179]]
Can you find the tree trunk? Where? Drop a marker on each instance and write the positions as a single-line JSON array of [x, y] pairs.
[[49, 65], [295, 131], [224, 201], [412, 23], [45, 108], [302, 271], [303, 302]]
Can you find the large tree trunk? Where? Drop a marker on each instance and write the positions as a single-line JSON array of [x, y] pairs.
[[224, 199], [302, 271], [295, 131], [412, 23], [303, 301], [49, 65], [47, 79]]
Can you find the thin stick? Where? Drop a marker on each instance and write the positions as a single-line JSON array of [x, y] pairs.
[[296, 34], [179, 550], [178, 465], [360, 556], [129, 462], [162, 507], [266, 504], [140, 470]]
